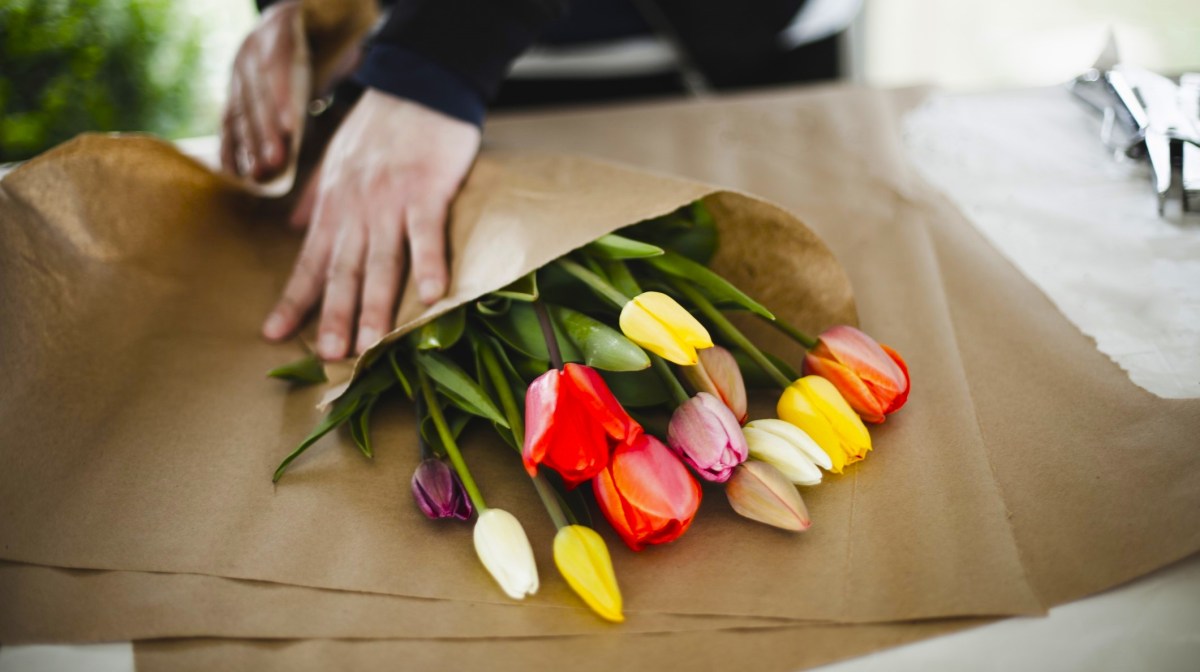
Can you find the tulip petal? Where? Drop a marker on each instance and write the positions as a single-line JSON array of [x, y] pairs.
[[902, 397], [759, 492], [676, 318], [504, 550], [583, 560], [642, 328], [794, 407], [789, 460], [856, 441], [601, 406], [541, 400], [796, 437], [646, 493], [854, 389]]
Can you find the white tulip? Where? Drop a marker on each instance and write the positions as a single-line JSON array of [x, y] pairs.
[[504, 550], [788, 448]]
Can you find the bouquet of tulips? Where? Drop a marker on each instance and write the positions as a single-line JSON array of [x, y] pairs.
[[575, 366]]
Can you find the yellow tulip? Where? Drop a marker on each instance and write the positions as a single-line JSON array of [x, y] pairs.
[[583, 560], [659, 324], [814, 405]]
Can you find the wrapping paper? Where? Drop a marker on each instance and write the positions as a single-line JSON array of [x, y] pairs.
[[1027, 435]]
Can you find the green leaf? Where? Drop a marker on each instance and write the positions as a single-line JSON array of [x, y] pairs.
[[459, 387], [718, 288], [492, 305], [304, 371], [360, 427], [622, 279], [399, 372], [690, 231], [444, 332], [520, 330], [636, 389], [457, 421], [602, 346], [373, 383], [613, 246], [524, 289]]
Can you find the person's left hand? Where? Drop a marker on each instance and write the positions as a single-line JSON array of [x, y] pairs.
[[388, 176]]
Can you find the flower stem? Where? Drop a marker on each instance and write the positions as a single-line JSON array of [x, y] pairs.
[[731, 332], [664, 371], [508, 403], [548, 333], [799, 336], [597, 283], [426, 450], [456, 458]]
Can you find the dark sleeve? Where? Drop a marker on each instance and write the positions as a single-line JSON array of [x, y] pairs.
[[451, 55]]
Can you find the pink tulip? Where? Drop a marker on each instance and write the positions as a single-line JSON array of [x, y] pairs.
[[717, 373], [705, 435]]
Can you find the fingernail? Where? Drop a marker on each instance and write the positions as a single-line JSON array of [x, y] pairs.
[[430, 290], [366, 338], [275, 326], [331, 346], [269, 152]]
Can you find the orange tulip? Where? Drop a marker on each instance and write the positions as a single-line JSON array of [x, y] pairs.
[[872, 377], [646, 493]]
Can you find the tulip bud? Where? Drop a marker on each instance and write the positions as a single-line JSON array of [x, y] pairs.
[[583, 560], [439, 492], [787, 448], [717, 373], [814, 405], [705, 435], [872, 377], [759, 492], [504, 549], [659, 324], [646, 493]]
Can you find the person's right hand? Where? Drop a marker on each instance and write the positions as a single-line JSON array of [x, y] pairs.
[[259, 119]]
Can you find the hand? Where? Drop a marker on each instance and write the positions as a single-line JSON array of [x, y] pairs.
[[259, 118], [389, 175]]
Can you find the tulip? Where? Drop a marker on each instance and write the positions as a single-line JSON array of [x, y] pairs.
[[705, 435], [646, 493], [659, 324], [439, 492], [572, 423], [814, 405], [759, 492], [787, 448], [504, 549], [872, 377], [716, 372], [582, 558]]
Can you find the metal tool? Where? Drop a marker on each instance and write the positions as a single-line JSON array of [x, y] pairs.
[[1146, 115]]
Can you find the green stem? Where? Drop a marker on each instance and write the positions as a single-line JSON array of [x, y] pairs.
[[508, 403], [799, 336], [668, 377], [597, 283], [731, 332], [539, 307], [447, 437]]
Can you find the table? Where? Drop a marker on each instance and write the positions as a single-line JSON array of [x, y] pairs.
[[1038, 179]]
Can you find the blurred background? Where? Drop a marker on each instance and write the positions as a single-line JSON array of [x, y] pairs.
[[162, 66]]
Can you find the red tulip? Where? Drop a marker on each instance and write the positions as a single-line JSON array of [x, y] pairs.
[[872, 377], [572, 423], [646, 493]]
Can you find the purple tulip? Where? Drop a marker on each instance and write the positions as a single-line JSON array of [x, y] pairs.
[[438, 491], [704, 433]]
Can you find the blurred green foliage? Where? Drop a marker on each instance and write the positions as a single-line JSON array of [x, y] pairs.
[[68, 66]]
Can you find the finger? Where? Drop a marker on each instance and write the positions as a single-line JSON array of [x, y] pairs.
[[302, 213], [381, 282], [426, 227], [264, 122], [243, 155], [342, 287], [303, 286], [227, 141]]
